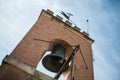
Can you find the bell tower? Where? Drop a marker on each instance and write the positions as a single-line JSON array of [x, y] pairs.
[[50, 33]]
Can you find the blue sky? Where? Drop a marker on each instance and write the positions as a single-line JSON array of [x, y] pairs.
[[18, 16]]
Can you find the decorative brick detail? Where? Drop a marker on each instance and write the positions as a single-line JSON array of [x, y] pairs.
[[58, 17], [85, 33], [68, 23], [50, 12], [77, 28]]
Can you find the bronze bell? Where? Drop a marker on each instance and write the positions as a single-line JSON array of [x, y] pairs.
[[54, 61]]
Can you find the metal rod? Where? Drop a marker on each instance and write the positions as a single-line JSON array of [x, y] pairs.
[[43, 40], [73, 68], [66, 62], [49, 41], [83, 58], [87, 26]]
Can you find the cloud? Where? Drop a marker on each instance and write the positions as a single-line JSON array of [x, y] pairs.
[[18, 16], [106, 65]]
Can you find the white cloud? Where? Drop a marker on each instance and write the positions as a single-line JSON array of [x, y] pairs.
[[18, 16], [104, 68]]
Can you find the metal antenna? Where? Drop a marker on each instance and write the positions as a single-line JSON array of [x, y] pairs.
[[87, 26]]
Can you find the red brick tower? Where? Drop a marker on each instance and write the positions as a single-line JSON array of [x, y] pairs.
[[21, 63]]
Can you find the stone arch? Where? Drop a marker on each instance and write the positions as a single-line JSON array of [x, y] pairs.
[[68, 51]]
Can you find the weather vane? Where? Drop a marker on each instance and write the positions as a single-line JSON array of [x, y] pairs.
[[67, 16]]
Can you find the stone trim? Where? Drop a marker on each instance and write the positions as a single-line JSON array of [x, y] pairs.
[[19, 64]]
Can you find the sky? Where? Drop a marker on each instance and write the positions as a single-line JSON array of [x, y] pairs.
[[18, 16]]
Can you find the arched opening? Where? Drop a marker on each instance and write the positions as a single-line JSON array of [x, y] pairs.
[[68, 50]]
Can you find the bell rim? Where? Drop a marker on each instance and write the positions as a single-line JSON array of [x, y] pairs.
[[53, 55]]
